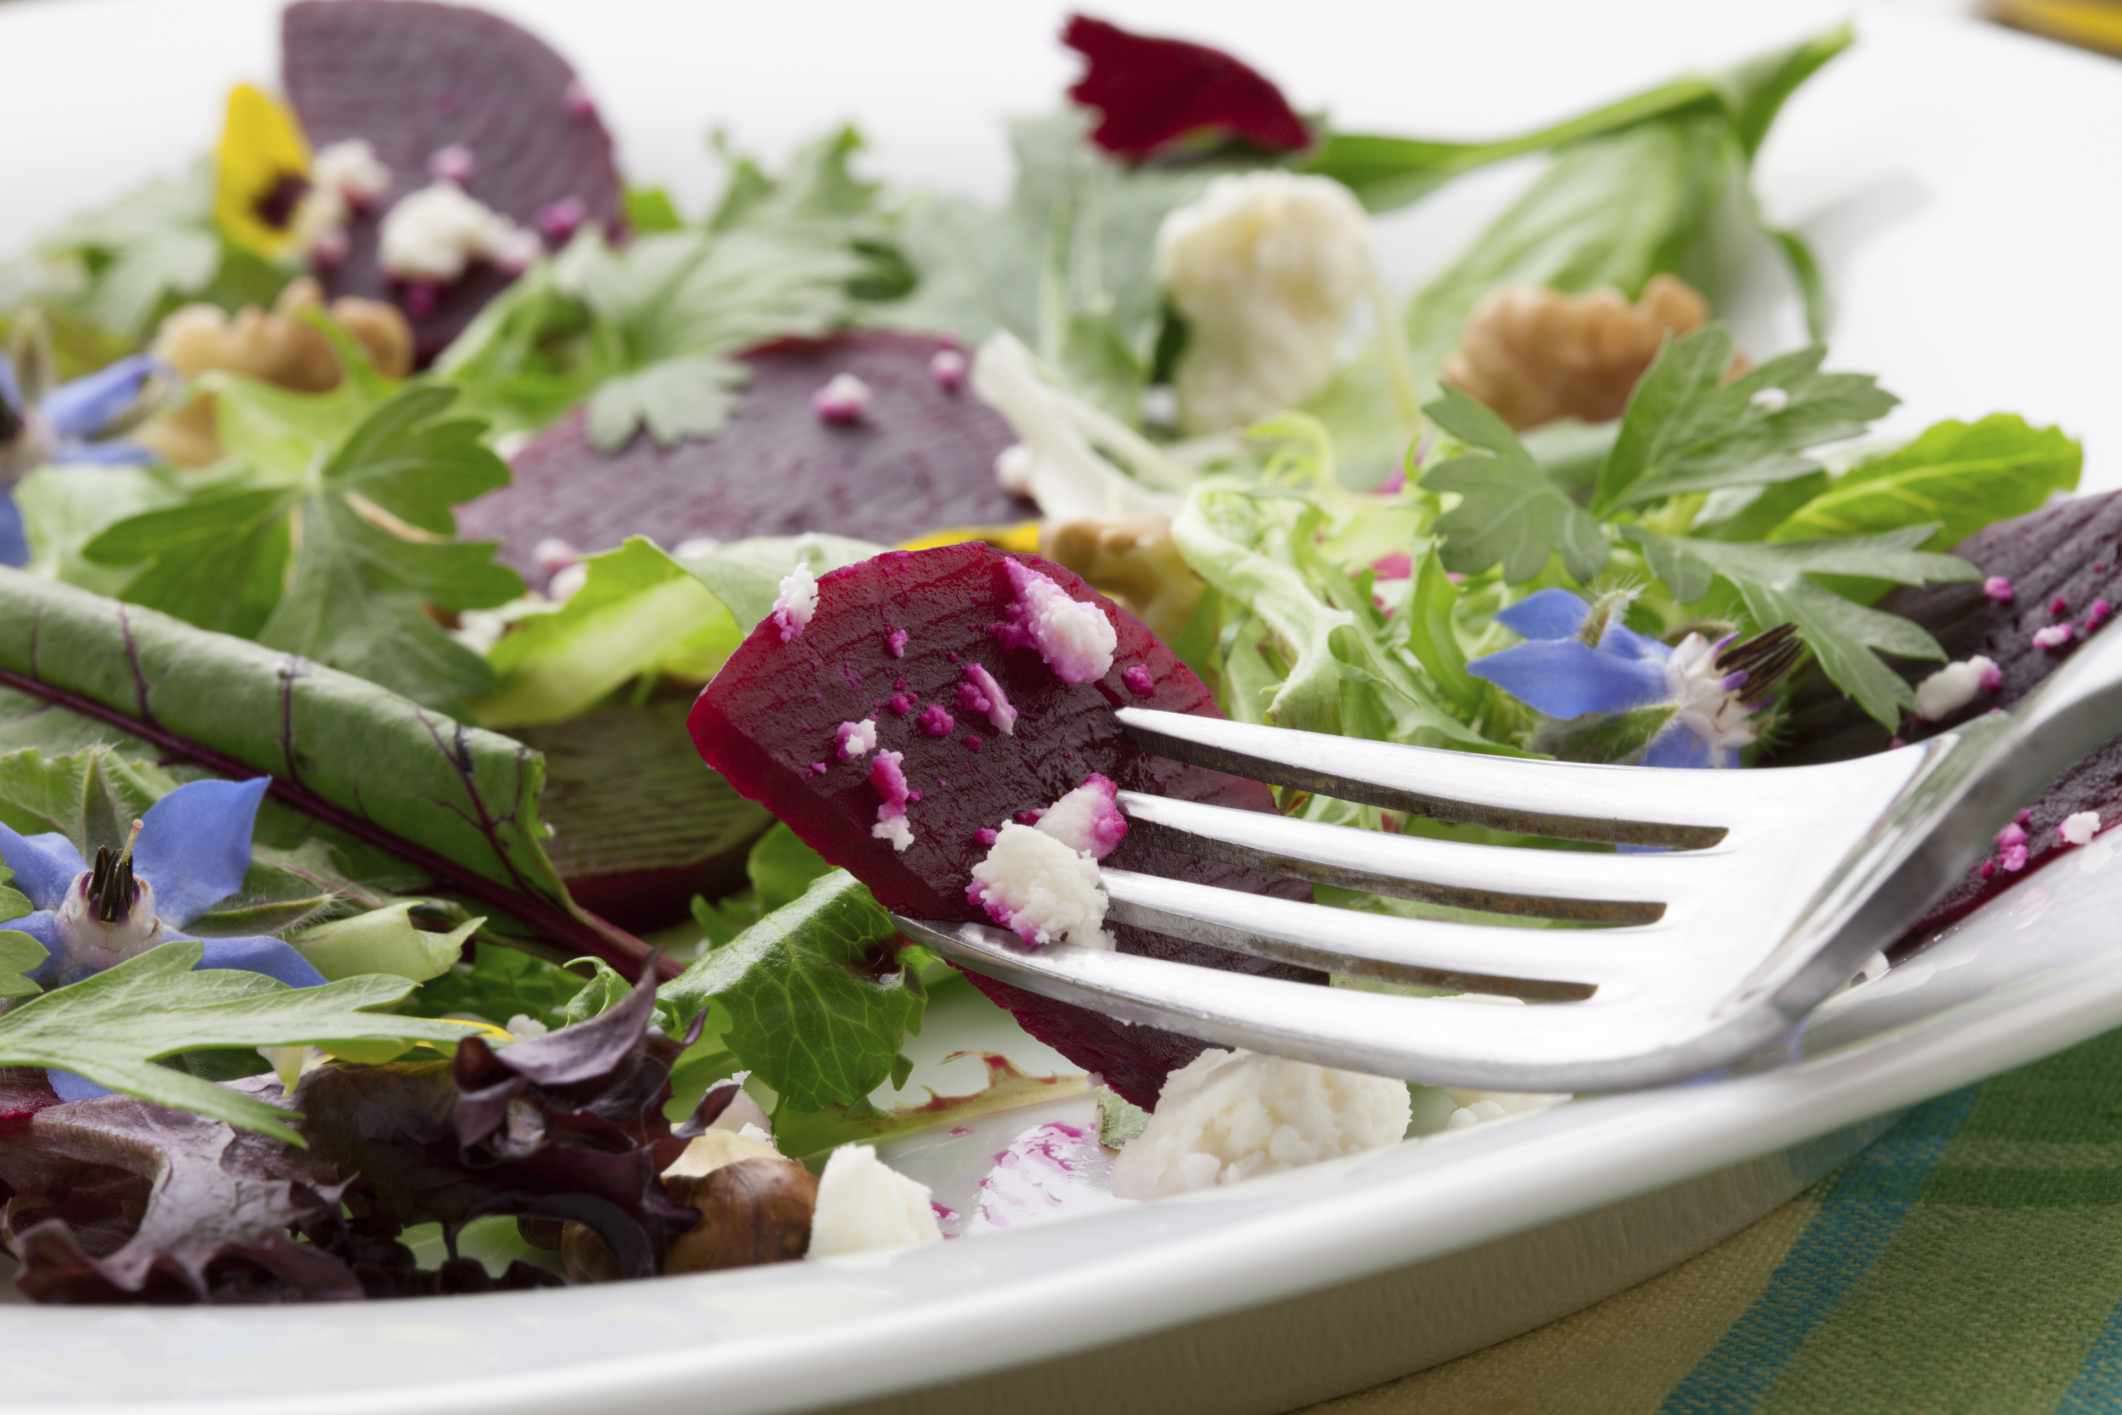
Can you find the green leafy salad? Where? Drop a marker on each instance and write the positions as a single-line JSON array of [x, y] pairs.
[[377, 497]]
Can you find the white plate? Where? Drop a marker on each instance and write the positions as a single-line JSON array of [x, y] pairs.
[[1955, 182]]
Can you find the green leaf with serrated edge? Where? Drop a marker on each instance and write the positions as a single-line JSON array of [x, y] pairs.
[[1509, 512], [746, 574], [1687, 429], [383, 941], [186, 553], [1612, 210], [19, 953], [1957, 476], [112, 1028], [402, 794], [1844, 636], [154, 243], [499, 984], [818, 1007], [817, 1131], [1434, 640]]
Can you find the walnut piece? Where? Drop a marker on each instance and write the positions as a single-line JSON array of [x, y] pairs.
[[274, 348], [1535, 354], [751, 1211], [1133, 560]]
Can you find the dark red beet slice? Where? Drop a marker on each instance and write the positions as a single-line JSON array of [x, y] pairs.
[[2070, 551], [1154, 92], [920, 459], [775, 708], [412, 78]]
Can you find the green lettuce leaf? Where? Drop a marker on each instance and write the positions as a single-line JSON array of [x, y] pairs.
[[1845, 636], [339, 561], [1957, 476], [383, 941], [817, 1002], [113, 1028], [1510, 512], [1688, 430]]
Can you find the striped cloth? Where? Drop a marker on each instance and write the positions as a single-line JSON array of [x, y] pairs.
[[1970, 1260]]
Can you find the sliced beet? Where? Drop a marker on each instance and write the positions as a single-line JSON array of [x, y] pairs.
[[2071, 551], [920, 458], [774, 711], [1152, 94], [413, 78]]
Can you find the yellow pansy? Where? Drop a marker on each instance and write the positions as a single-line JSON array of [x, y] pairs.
[[1022, 536], [264, 173]]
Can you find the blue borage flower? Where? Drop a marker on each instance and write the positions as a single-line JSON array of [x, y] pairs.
[[1581, 664], [187, 854], [64, 425]]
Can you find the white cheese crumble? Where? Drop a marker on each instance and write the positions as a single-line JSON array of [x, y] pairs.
[[1086, 819], [1074, 638], [1265, 268], [895, 829], [1954, 686], [858, 739], [797, 602], [351, 171], [435, 233], [2079, 829], [1014, 465], [1474, 1107], [865, 1205], [1036, 885], [1229, 1115]]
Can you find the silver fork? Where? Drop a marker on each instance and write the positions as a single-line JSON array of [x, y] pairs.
[[1774, 889]]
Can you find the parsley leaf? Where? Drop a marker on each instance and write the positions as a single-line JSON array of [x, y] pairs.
[[1509, 510], [817, 1004], [1957, 476], [1846, 637], [335, 561], [1686, 429], [113, 1027]]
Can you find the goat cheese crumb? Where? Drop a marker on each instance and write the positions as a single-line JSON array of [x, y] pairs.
[[435, 233], [864, 1205], [1266, 268], [1074, 638], [1998, 588], [890, 781], [2055, 636], [982, 694], [1034, 885], [2079, 829], [796, 603], [1474, 1107], [1229, 1115], [858, 738], [1013, 469], [351, 170], [1088, 818], [843, 399], [1954, 686]]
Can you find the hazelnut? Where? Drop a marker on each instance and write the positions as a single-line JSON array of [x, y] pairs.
[[585, 1257], [1134, 560], [274, 348], [1534, 354], [751, 1211]]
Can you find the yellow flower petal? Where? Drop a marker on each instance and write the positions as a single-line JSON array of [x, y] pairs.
[[261, 159]]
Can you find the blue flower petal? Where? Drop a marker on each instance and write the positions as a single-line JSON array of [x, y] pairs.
[[195, 845], [14, 540], [1564, 678], [1677, 747], [10, 390], [1624, 642], [74, 1088], [1545, 614], [83, 408], [269, 956], [106, 454], [44, 866]]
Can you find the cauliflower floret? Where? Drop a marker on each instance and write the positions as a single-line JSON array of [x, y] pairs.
[[865, 1205], [1265, 269], [1229, 1115]]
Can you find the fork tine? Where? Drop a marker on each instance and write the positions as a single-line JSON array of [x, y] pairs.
[[1532, 963], [1562, 800], [1548, 884]]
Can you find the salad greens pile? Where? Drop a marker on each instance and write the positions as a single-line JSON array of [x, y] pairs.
[[304, 608]]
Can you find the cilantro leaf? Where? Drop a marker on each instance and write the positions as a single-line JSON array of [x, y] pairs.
[[818, 1008], [335, 559], [1845, 636], [1957, 476], [114, 1026], [1509, 512], [1686, 429]]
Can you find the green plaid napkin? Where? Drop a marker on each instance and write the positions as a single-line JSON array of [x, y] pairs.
[[1971, 1259]]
